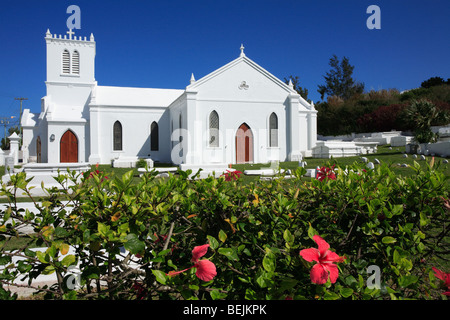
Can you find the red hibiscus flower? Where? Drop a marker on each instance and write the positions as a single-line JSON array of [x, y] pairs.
[[325, 259], [325, 173], [444, 277], [231, 175], [206, 270], [95, 173]]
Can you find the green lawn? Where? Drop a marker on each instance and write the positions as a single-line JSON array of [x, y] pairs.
[[392, 157]]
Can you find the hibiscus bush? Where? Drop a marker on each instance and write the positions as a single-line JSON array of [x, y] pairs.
[[218, 238]]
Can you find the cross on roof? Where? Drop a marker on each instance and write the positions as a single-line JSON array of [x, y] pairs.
[[71, 33]]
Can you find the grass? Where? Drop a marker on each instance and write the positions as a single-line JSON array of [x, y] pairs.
[[392, 157]]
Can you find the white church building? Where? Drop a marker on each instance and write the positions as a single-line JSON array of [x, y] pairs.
[[239, 113]]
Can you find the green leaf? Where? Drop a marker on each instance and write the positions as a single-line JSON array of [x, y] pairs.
[[160, 276], [423, 219], [311, 231], [43, 257], [127, 177], [288, 236], [69, 260], [213, 243], [61, 232], [103, 229], [346, 292], [48, 270], [330, 296], [406, 281], [269, 262], [388, 240], [5, 260], [133, 244], [217, 295], [23, 266], [229, 253], [222, 236], [287, 284]]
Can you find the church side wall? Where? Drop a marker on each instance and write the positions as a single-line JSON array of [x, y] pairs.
[[136, 123], [231, 115]]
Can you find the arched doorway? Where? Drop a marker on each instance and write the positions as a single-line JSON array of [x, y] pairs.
[[244, 144], [68, 147]]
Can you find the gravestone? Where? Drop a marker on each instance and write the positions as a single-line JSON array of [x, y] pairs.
[[9, 164]]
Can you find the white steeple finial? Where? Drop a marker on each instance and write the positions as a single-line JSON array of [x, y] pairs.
[[48, 34], [70, 33], [242, 51], [192, 78], [92, 37], [290, 84]]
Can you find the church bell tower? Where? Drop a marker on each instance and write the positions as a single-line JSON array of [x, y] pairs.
[[65, 108], [70, 59]]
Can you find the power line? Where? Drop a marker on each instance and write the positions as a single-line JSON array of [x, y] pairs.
[[20, 114], [5, 121]]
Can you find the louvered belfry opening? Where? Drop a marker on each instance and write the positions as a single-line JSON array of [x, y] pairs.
[[66, 62], [76, 62]]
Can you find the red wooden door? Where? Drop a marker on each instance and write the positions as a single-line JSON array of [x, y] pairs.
[[244, 144], [68, 147]]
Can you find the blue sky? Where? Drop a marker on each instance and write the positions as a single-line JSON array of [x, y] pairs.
[[158, 44]]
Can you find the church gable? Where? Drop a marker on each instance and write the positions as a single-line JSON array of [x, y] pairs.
[[241, 80]]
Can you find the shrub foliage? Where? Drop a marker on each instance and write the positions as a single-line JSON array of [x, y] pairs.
[[110, 238]]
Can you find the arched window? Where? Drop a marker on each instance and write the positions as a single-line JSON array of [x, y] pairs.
[[117, 136], [76, 62], [154, 137], [214, 129], [273, 130], [180, 138], [66, 62]]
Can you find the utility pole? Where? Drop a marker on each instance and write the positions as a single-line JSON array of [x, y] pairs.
[[20, 115], [4, 121]]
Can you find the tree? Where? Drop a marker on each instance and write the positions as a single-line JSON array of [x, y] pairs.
[[5, 141], [303, 92], [421, 115], [339, 81], [434, 81]]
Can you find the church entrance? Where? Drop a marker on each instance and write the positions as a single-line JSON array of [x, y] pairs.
[[244, 144], [68, 147]]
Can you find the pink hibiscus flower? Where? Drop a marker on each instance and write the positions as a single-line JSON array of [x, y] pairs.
[[325, 259], [325, 173], [229, 175], [444, 277], [206, 270]]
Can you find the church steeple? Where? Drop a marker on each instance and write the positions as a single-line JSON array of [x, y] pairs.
[[70, 58]]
